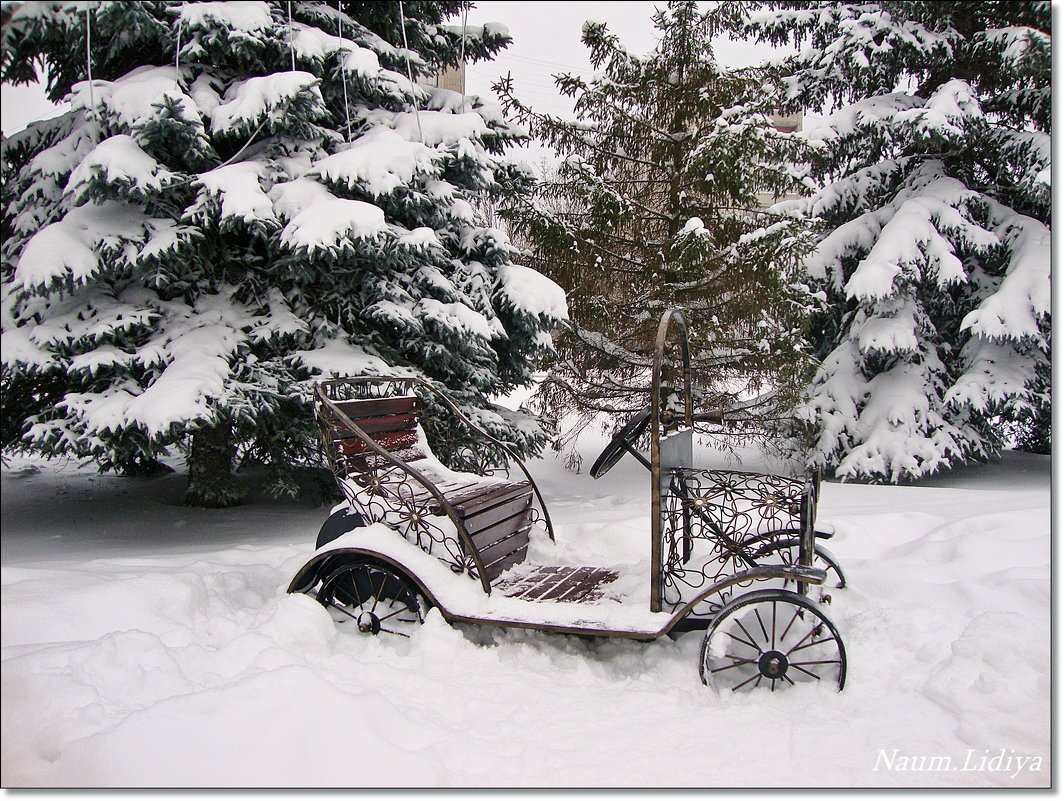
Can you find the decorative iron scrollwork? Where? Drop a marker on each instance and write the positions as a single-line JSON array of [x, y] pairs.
[[713, 522]]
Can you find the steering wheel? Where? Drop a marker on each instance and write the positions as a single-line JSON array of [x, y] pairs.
[[622, 442]]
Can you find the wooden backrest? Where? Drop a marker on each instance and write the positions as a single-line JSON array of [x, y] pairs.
[[498, 519], [391, 422], [497, 514]]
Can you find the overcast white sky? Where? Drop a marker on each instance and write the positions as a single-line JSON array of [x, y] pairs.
[[546, 41]]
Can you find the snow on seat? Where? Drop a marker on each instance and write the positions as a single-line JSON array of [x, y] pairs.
[[496, 514]]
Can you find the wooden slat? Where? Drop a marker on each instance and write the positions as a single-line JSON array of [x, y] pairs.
[[559, 584], [518, 539], [559, 575], [484, 496], [422, 494], [483, 540], [568, 584], [450, 488], [480, 528], [377, 407], [589, 588], [537, 583], [493, 570], [491, 515], [377, 425], [371, 461], [516, 585], [392, 441]]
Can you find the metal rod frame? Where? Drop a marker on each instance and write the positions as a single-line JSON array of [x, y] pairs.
[[656, 511]]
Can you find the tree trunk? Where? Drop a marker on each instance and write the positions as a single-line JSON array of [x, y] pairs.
[[211, 482], [141, 466]]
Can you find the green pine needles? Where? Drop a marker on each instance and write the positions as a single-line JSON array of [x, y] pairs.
[[206, 230], [655, 204], [932, 214]]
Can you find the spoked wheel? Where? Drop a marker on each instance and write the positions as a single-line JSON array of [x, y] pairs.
[[823, 559], [772, 639], [373, 598], [787, 554]]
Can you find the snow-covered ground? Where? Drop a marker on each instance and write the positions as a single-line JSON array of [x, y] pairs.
[[148, 644]]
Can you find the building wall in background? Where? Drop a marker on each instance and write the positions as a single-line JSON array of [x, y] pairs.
[[787, 123], [453, 78]]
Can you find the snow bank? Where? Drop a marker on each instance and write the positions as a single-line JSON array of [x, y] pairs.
[[183, 663]]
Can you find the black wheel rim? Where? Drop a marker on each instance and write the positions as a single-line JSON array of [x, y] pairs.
[[772, 640], [834, 580], [617, 446], [372, 599]]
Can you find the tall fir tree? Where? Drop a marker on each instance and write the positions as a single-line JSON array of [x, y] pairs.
[[246, 196], [933, 218], [654, 204]]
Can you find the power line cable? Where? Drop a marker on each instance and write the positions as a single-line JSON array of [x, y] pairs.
[[410, 74], [542, 62]]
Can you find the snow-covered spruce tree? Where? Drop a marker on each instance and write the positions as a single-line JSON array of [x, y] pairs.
[[934, 213], [245, 196], [655, 205]]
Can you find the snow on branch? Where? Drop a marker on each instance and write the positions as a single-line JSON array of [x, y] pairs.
[[380, 162], [318, 220], [241, 17], [139, 97], [865, 113], [532, 293], [246, 102], [73, 248], [1024, 295], [947, 112], [314, 44], [237, 191], [121, 163]]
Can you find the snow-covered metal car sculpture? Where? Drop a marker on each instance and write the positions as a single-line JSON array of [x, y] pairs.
[[732, 553]]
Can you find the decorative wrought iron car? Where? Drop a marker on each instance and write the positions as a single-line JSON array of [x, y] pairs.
[[732, 553]]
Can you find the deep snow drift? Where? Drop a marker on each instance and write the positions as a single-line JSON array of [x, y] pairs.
[[149, 644]]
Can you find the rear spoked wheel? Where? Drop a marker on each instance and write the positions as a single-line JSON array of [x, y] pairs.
[[372, 598], [787, 553], [772, 639]]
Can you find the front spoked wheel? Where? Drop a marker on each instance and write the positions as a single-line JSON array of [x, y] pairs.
[[772, 639], [372, 598]]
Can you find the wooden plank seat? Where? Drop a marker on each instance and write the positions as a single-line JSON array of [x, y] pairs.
[[497, 514], [556, 583]]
